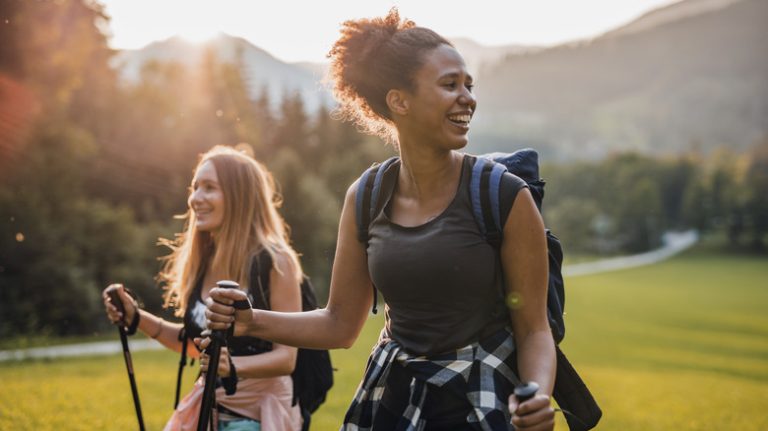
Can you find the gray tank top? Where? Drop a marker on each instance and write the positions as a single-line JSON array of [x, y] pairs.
[[441, 281]]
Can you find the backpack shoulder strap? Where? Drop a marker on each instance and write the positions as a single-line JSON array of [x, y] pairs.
[[367, 196], [367, 204], [484, 187], [182, 363], [260, 276], [261, 265]]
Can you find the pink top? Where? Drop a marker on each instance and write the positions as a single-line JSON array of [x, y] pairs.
[[266, 400]]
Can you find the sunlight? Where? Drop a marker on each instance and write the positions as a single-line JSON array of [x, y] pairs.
[[304, 31]]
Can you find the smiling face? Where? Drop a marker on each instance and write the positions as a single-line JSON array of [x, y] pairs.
[[206, 198], [440, 107]]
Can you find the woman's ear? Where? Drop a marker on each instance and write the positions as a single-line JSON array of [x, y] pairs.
[[397, 102]]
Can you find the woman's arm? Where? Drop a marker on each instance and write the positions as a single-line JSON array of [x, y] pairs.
[[525, 265], [335, 326]]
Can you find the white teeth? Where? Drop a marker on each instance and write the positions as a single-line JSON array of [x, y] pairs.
[[463, 118]]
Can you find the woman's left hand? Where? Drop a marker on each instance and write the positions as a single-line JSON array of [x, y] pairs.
[[223, 370], [535, 414]]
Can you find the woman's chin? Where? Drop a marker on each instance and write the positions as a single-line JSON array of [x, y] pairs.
[[204, 227]]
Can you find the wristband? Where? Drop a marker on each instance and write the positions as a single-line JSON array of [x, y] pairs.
[[131, 329]]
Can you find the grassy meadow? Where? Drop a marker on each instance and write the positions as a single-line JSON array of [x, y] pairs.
[[681, 345]]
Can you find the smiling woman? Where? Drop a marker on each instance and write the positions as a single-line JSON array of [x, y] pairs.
[[418, 244], [232, 223]]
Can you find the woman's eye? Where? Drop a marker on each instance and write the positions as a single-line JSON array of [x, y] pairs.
[[450, 85], [470, 86]]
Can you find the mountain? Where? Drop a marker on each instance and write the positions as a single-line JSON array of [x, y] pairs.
[[478, 56], [262, 70], [690, 75], [670, 13]]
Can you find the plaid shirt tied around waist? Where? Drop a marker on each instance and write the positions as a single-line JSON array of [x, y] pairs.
[[479, 371]]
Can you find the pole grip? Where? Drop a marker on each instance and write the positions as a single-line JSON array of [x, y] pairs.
[[526, 391], [214, 353], [114, 298]]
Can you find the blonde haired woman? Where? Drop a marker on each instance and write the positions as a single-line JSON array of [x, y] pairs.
[[232, 223]]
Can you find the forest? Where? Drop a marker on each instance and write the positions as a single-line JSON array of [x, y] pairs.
[[94, 171]]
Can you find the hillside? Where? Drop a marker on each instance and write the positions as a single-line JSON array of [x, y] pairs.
[[690, 77], [262, 70]]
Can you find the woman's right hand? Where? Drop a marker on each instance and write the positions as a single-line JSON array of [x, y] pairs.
[[129, 305], [536, 414], [220, 314]]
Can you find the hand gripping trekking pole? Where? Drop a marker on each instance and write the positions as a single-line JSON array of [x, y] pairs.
[[114, 297], [214, 352]]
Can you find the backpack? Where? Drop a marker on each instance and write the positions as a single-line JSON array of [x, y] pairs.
[[570, 391], [484, 192], [313, 373]]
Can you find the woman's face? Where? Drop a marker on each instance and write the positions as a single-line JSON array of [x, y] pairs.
[[442, 104], [206, 198]]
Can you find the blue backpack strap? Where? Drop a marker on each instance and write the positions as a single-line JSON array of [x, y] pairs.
[[363, 202], [475, 195], [367, 197], [367, 204], [494, 184], [484, 194]]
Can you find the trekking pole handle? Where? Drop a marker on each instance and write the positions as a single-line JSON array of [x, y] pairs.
[[221, 334], [214, 351], [526, 391], [114, 298]]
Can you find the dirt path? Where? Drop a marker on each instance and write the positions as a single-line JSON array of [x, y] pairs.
[[674, 243]]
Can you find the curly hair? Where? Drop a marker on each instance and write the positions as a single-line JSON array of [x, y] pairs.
[[371, 57]]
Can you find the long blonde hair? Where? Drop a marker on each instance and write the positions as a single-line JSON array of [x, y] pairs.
[[251, 224]]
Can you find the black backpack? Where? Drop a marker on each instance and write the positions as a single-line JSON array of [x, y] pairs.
[[313, 375], [484, 192], [570, 391]]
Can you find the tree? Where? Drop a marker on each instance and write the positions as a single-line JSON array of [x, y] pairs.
[[756, 187]]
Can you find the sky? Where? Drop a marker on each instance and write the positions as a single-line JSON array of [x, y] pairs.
[[293, 30]]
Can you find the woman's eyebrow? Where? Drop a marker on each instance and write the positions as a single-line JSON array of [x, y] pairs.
[[455, 75]]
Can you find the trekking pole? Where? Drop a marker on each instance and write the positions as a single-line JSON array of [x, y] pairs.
[[526, 391], [118, 303], [214, 352]]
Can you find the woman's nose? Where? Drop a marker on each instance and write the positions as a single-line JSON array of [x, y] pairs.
[[468, 98], [194, 197]]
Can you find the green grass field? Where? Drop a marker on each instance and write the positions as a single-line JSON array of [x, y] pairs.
[[681, 345]]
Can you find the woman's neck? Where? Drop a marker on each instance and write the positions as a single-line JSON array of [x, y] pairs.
[[426, 171]]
